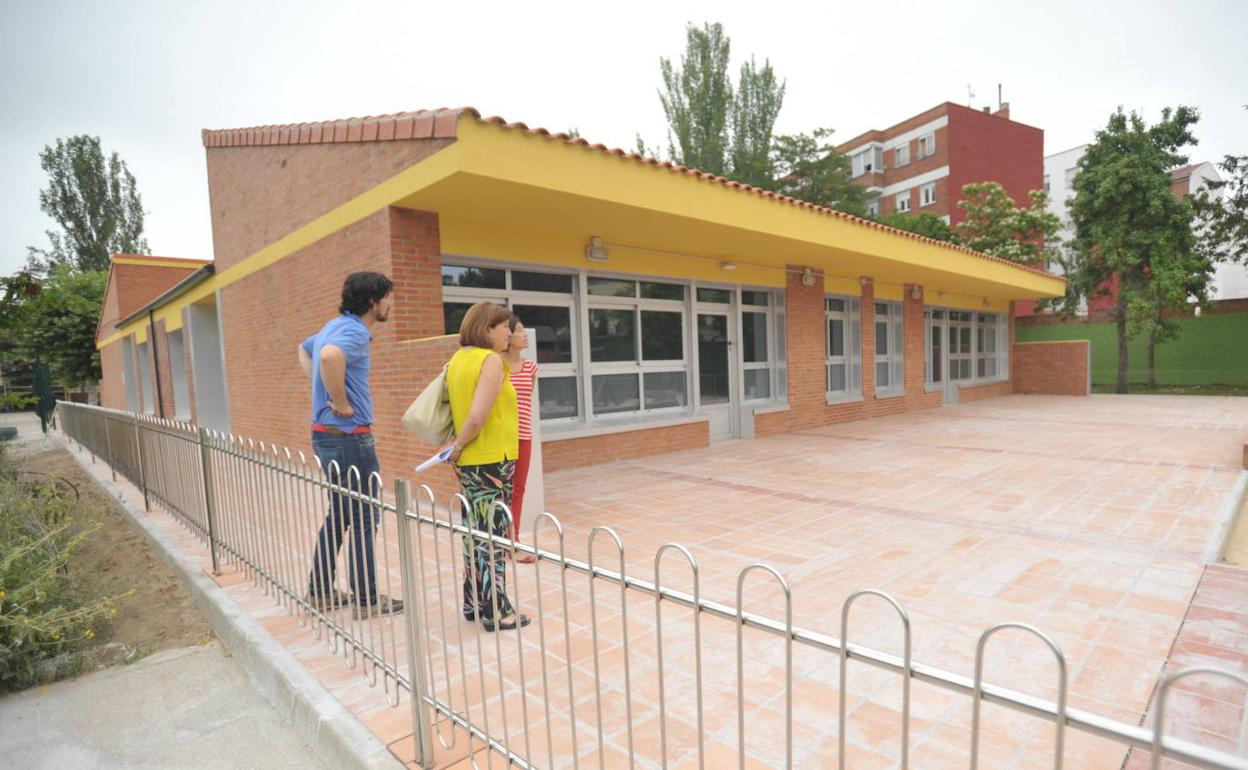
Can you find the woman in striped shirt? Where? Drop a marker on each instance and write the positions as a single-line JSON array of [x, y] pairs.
[[523, 377]]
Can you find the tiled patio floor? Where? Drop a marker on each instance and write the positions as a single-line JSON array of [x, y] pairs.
[[1086, 517]]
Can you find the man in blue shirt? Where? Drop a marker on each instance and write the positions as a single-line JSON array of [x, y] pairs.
[[337, 360]]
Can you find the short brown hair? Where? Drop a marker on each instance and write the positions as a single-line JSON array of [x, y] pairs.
[[474, 330]]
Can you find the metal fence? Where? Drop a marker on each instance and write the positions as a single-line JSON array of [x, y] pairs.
[[617, 668]]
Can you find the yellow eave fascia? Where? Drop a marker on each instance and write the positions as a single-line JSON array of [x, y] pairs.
[[182, 264], [491, 150], [411, 179]]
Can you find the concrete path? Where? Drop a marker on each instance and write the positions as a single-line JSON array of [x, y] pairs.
[[187, 708]]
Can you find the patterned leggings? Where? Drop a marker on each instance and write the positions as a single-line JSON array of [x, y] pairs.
[[483, 486]]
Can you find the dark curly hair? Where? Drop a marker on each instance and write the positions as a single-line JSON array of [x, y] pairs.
[[363, 290]]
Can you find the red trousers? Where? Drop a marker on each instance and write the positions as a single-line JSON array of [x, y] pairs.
[[518, 482]]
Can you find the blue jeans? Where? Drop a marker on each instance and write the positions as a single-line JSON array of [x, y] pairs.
[[359, 451]]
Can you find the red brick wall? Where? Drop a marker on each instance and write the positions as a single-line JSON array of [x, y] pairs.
[[133, 286], [416, 252], [268, 314], [558, 454], [261, 194], [1052, 368], [808, 406], [988, 148], [164, 404], [112, 387]]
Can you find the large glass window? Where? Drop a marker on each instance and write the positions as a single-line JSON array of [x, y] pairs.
[[544, 303], [843, 342], [755, 349], [610, 346], [890, 371], [974, 347], [934, 331], [637, 345]]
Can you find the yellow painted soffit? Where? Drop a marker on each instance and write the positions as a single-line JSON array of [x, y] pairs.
[[432, 169], [489, 150]]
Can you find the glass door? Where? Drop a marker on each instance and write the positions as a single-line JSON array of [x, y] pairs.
[[715, 380]]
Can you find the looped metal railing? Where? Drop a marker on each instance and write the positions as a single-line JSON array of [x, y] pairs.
[[259, 509]]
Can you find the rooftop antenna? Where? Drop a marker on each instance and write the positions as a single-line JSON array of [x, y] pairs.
[[999, 102], [970, 95]]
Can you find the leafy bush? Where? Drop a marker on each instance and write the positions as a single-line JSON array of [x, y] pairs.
[[16, 402], [41, 616]]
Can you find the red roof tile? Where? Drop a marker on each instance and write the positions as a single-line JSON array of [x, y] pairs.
[[441, 124]]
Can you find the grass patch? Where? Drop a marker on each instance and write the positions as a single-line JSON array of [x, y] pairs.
[[1210, 351]]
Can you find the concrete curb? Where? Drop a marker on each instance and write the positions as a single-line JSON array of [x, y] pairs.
[[327, 725], [1215, 549]]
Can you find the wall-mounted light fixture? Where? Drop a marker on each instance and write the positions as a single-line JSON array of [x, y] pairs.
[[916, 292], [987, 303], [727, 265], [808, 277], [863, 281], [595, 250]]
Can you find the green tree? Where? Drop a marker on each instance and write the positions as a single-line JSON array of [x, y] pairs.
[[926, 224], [1222, 214], [1130, 230], [57, 324], [696, 97], [995, 225], [808, 167], [754, 111], [95, 201]]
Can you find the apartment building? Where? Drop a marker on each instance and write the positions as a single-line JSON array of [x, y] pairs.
[[922, 163], [1230, 281]]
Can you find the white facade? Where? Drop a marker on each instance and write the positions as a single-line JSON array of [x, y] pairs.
[[1059, 172], [1229, 281]]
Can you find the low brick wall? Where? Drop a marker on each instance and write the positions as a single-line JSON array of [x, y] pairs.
[[1053, 368], [558, 453], [979, 393]]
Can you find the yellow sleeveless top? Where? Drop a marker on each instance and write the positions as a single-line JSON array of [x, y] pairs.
[[499, 438]]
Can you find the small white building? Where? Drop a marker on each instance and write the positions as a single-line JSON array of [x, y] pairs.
[[1230, 281]]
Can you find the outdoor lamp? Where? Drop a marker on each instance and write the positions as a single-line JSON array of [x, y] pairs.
[[595, 250]]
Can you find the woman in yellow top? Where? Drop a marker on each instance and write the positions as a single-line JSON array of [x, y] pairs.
[[487, 443]]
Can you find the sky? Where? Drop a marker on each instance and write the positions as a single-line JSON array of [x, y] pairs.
[[146, 77]]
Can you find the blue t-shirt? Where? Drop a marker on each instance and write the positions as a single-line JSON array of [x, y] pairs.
[[349, 334]]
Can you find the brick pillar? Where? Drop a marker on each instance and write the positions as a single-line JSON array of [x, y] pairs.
[[164, 402], [914, 354], [805, 332], [416, 267], [868, 340], [190, 372]]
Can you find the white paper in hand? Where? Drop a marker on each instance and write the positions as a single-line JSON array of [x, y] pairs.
[[438, 459]]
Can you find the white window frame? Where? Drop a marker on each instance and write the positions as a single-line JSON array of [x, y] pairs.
[[178, 374], [992, 332], [869, 160], [893, 317], [510, 298], [145, 377], [902, 202], [979, 328], [638, 366], [774, 336], [850, 315], [873, 207], [927, 145], [927, 194], [934, 374], [901, 155]]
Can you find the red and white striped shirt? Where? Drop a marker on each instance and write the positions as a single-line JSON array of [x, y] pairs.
[[522, 380]]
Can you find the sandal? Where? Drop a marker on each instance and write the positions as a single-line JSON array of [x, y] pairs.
[[505, 625]]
